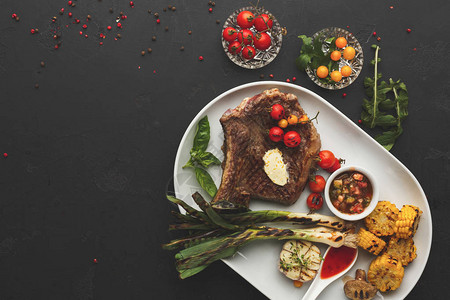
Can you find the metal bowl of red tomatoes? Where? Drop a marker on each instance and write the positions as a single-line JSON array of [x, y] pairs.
[[252, 37]]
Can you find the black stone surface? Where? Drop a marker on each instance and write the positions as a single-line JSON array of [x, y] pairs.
[[91, 150]]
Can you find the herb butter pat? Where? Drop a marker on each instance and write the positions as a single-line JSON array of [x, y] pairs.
[[275, 167]]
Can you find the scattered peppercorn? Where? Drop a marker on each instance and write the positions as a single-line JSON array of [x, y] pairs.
[[13, 16], [36, 86], [391, 7], [156, 15], [378, 38], [166, 28], [209, 2], [271, 75], [217, 21], [182, 48], [54, 19], [210, 10], [190, 32], [84, 26], [149, 11], [359, 121], [69, 3], [154, 38], [86, 36], [294, 79], [42, 64], [164, 9], [111, 10], [32, 31], [61, 12], [344, 95], [118, 35], [213, 4], [288, 80], [95, 261], [109, 27], [174, 8], [374, 33], [149, 50], [17, 19], [414, 49], [132, 4], [158, 21], [88, 17], [73, 5], [408, 30], [5, 155], [101, 43], [70, 15], [142, 52], [261, 76], [119, 25], [77, 21], [200, 58]]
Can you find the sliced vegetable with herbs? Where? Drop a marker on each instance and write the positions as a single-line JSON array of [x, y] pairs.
[[299, 260], [201, 159], [380, 111]]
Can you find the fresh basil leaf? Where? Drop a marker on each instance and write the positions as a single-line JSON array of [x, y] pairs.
[[206, 159], [189, 164], [202, 133], [205, 181]]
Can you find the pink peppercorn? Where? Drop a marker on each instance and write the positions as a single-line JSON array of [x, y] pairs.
[[131, 3], [84, 26], [288, 80], [271, 75], [408, 30], [119, 25], [109, 27], [158, 21], [344, 95], [294, 79], [70, 15], [32, 31], [13, 16], [5, 155], [70, 3], [200, 58], [210, 10], [374, 33]]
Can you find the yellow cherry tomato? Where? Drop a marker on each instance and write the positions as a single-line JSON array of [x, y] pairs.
[[341, 42], [298, 283], [349, 53], [322, 72], [336, 76], [283, 123], [346, 71], [303, 119], [335, 55], [292, 119]]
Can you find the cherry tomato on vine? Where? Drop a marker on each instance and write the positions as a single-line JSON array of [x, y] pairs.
[[234, 47], [326, 159], [263, 22], [245, 19], [336, 165], [277, 112], [248, 52], [317, 185], [314, 201], [245, 36], [292, 139], [262, 41], [229, 34], [276, 134]]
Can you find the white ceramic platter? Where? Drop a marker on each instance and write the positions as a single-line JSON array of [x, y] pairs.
[[257, 262]]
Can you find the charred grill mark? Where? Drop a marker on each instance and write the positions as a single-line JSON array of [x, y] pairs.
[[338, 239]]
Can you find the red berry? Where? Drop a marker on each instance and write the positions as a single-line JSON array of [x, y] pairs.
[[359, 121], [158, 21], [13, 16], [101, 43], [5, 155], [414, 49], [200, 58], [408, 30], [109, 27], [81, 32], [131, 3], [70, 15], [271, 75], [123, 17], [210, 10], [77, 21], [69, 3], [294, 79], [32, 31], [374, 33], [84, 26], [288, 80], [95, 261], [56, 47], [119, 25], [344, 95]]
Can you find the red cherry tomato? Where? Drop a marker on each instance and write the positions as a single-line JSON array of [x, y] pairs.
[[314, 201], [317, 185], [245, 19], [234, 47], [336, 165], [248, 52], [262, 41], [229, 34], [326, 159], [263, 22], [276, 134], [245, 36], [277, 112], [292, 139]]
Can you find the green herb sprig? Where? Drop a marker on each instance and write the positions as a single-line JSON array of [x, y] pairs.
[[380, 110], [202, 159], [313, 56]]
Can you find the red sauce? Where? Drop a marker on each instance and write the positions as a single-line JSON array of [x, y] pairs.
[[337, 260]]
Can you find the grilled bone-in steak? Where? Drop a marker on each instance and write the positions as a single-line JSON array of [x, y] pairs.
[[247, 140]]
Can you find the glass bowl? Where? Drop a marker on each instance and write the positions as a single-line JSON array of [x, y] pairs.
[[262, 58], [356, 63]]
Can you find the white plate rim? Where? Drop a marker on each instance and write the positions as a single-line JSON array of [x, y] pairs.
[[278, 84]]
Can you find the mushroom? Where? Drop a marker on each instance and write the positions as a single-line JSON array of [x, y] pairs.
[[359, 288]]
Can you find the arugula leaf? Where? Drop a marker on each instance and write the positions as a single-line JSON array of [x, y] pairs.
[[380, 110], [201, 138], [206, 182]]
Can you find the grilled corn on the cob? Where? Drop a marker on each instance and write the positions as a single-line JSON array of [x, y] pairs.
[[370, 242], [386, 273], [407, 222], [381, 221], [403, 249]]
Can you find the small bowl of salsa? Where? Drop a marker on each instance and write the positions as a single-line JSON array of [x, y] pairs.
[[351, 193]]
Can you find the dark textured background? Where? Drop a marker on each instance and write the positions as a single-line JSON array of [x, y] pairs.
[[92, 150]]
